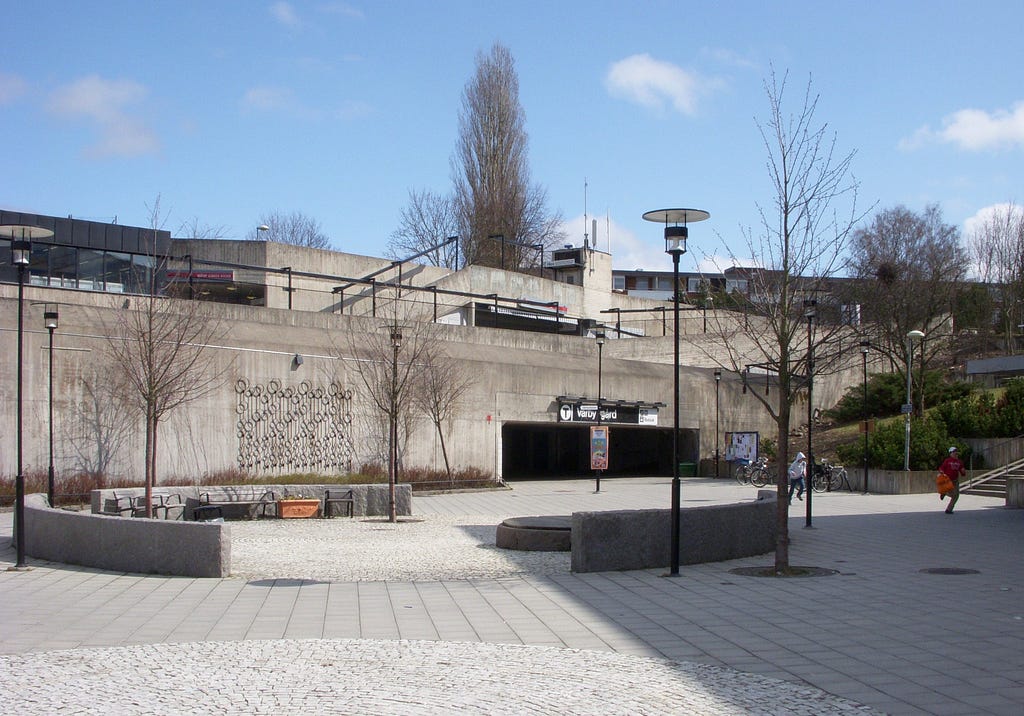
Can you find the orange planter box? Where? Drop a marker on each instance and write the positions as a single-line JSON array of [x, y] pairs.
[[294, 509]]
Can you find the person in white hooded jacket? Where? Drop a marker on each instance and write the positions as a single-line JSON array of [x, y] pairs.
[[797, 471]]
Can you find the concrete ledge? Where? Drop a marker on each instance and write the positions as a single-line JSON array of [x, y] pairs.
[[893, 482], [1015, 492], [535, 534], [370, 500], [640, 539], [188, 549]]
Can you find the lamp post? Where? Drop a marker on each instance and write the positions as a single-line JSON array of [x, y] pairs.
[[908, 407], [21, 254], [599, 335], [864, 346], [396, 343], [718, 384], [809, 304], [676, 233], [261, 227], [50, 318]]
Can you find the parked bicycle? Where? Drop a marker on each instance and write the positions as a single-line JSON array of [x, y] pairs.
[[830, 477], [755, 473]]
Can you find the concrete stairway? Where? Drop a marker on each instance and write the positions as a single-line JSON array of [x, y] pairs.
[[993, 482]]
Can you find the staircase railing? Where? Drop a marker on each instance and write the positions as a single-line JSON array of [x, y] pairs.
[[1001, 471]]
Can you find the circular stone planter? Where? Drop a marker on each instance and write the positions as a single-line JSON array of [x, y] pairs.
[[535, 534]]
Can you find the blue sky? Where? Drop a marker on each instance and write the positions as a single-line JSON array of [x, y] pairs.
[[230, 109]]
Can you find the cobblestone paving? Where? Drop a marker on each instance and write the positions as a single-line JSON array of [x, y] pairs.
[[397, 677], [445, 548]]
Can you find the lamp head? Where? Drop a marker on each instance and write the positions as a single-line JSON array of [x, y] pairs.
[[21, 252], [718, 375], [675, 239], [599, 335], [50, 316], [915, 335], [396, 337]]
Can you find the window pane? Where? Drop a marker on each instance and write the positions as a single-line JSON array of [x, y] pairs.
[[63, 267], [117, 271]]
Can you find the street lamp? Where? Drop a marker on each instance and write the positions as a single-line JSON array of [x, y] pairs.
[[676, 233], [599, 335], [718, 383], [809, 304], [396, 343], [261, 227], [908, 407], [864, 346], [21, 254], [50, 318]]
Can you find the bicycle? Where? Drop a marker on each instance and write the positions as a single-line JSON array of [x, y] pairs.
[[755, 473], [830, 477]]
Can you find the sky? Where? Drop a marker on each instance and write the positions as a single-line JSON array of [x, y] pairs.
[[234, 109]]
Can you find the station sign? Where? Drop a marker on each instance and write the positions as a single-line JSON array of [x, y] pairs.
[[610, 414]]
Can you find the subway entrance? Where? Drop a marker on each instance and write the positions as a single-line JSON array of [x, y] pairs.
[[533, 451]]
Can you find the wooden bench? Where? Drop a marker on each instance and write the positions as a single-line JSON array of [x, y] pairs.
[[227, 504], [344, 498]]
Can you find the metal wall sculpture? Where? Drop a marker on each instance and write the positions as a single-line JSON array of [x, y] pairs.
[[294, 429]]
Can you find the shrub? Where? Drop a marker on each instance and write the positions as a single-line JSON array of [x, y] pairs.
[[929, 441]]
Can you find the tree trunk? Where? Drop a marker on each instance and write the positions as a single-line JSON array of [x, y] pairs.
[[782, 491], [444, 454]]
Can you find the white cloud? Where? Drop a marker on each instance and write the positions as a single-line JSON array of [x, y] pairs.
[[653, 83], [974, 129], [104, 103], [987, 214], [11, 87], [269, 98], [285, 14]]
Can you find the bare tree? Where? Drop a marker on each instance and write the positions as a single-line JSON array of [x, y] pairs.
[[801, 244], [490, 170], [390, 369], [445, 383], [908, 268], [295, 228], [160, 345], [997, 247], [426, 223], [195, 229]]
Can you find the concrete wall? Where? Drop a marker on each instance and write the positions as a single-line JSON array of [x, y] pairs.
[[641, 539], [1015, 492], [893, 482], [369, 500], [190, 549]]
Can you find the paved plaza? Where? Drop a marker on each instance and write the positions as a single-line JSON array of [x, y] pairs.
[[427, 616]]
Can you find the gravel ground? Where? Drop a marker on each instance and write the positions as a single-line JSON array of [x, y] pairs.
[[336, 550]]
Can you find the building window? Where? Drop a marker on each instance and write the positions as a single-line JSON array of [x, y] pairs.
[[619, 283]]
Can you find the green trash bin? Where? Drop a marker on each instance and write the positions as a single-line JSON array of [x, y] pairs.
[[687, 469]]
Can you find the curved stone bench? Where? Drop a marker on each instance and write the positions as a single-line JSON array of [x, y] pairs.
[[535, 534], [641, 539]]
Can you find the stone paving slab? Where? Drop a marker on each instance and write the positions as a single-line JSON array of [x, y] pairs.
[[871, 634], [390, 677]]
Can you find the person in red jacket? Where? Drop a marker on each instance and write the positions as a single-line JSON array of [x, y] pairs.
[[954, 470]]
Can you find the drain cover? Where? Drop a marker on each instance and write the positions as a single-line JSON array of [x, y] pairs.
[[949, 570]]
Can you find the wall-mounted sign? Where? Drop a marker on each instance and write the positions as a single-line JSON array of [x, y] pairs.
[[741, 446], [586, 412]]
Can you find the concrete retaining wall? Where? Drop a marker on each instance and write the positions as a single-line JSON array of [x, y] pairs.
[[640, 539], [893, 482], [1015, 492], [370, 500], [190, 549]]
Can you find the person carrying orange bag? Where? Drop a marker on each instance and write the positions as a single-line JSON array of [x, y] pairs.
[[952, 468]]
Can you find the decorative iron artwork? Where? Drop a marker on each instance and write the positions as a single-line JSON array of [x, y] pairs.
[[294, 429]]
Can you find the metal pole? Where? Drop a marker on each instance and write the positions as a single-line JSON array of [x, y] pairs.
[[809, 469], [674, 567], [864, 353], [718, 381], [50, 473], [600, 351], [393, 467], [19, 483], [908, 407]]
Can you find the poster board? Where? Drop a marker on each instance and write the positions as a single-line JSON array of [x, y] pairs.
[[741, 446], [599, 447]]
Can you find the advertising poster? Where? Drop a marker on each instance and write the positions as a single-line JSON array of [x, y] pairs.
[[741, 446], [598, 447]]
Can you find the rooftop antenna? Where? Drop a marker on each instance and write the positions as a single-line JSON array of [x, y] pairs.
[[608, 227], [586, 242]]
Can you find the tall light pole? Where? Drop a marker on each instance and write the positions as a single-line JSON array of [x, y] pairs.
[[908, 407], [864, 346], [21, 255], [718, 383], [50, 318], [809, 304], [261, 227], [599, 335], [676, 233], [396, 343]]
